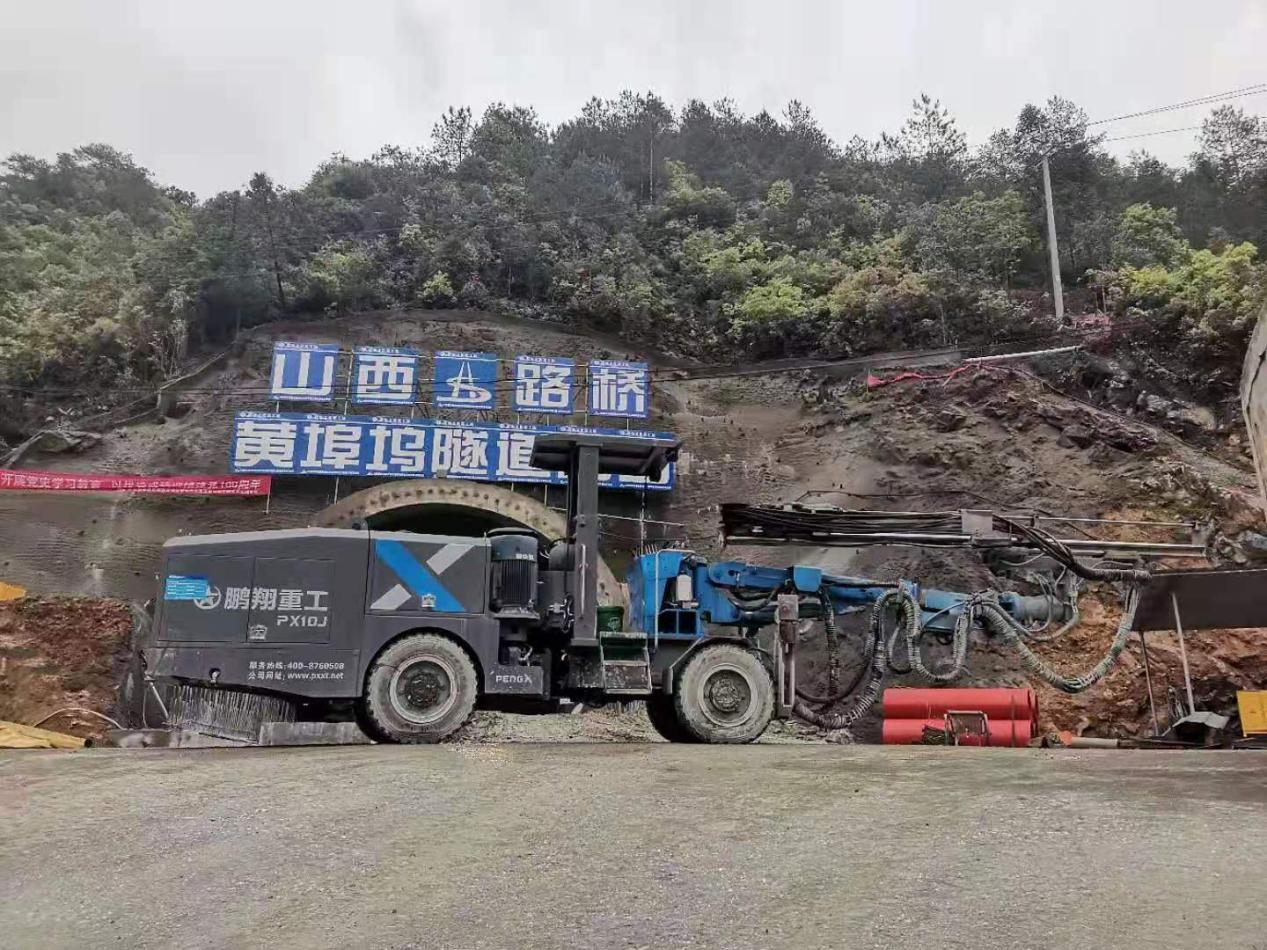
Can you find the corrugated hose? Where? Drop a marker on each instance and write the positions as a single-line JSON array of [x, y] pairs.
[[996, 620]]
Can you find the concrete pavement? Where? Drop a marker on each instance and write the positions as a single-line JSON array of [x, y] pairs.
[[578, 846]]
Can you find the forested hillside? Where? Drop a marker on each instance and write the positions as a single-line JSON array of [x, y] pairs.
[[709, 232]]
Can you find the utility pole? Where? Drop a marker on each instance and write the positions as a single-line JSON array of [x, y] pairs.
[[1057, 292]]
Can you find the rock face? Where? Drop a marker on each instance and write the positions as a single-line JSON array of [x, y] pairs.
[[1076, 435], [1254, 400], [1195, 416]]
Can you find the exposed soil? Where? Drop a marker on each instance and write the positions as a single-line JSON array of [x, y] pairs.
[[62, 653], [1004, 440]]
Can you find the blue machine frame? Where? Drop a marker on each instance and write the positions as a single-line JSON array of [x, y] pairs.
[[658, 612]]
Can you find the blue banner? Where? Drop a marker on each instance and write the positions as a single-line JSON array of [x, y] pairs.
[[303, 372], [384, 375], [619, 388], [545, 384], [465, 380], [318, 444]]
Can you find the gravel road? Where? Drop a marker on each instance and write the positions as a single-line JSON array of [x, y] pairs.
[[635, 845]]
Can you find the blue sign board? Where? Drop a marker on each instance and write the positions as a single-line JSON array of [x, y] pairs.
[[384, 375], [303, 372], [545, 384], [318, 444], [465, 380], [184, 587], [619, 388]]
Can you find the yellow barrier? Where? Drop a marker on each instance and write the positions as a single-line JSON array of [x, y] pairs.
[[1253, 709], [14, 735]]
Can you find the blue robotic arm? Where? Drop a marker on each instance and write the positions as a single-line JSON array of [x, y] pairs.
[[677, 593]]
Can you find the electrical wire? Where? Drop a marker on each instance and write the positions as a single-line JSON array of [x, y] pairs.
[[1144, 135], [1254, 90]]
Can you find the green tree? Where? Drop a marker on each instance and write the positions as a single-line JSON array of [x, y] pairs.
[[451, 136], [341, 276], [688, 199], [975, 238], [1146, 235], [437, 291]]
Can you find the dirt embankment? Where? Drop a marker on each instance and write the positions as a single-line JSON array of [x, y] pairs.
[[62, 655], [1004, 440]]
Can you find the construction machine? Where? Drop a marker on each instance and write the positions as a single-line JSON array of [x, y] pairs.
[[406, 632]]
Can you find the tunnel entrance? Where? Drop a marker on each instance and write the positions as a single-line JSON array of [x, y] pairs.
[[452, 506], [440, 519]]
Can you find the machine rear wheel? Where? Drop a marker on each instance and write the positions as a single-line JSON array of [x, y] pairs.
[[724, 695], [420, 689], [663, 716]]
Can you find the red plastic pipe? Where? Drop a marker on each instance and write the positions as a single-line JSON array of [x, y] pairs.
[[997, 703], [1003, 732]]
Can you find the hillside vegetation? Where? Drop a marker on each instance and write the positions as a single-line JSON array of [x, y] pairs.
[[706, 231]]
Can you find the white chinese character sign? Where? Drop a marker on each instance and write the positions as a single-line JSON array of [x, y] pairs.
[[513, 462], [459, 451], [544, 384], [396, 447], [618, 388], [303, 372], [316, 444], [330, 444], [264, 442], [384, 375], [465, 380]]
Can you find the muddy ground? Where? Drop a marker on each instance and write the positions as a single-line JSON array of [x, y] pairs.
[[993, 437]]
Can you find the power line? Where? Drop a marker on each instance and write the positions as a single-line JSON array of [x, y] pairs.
[[1254, 90], [1144, 135]]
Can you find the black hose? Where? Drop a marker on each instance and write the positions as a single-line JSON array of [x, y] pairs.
[[834, 694], [908, 614], [985, 606], [1061, 553]]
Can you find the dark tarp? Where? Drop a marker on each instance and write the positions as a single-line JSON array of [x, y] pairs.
[[1208, 599]]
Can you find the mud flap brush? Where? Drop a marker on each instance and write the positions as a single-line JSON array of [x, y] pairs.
[[225, 713]]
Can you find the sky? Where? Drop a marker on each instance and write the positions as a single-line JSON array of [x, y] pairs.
[[206, 93]]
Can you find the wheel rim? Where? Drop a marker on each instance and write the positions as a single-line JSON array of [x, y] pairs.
[[726, 696], [423, 690]]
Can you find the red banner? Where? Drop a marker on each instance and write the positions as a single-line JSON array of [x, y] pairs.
[[30, 480]]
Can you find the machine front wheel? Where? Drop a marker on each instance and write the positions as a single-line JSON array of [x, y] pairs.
[[724, 694], [663, 716], [420, 689]]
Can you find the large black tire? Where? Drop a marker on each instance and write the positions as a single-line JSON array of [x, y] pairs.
[[129, 694], [420, 689], [724, 694], [664, 720]]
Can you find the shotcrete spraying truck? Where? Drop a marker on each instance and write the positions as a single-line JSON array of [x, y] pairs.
[[405, 632]]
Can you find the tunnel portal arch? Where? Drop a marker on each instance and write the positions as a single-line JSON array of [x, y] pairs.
[[453, 506]]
